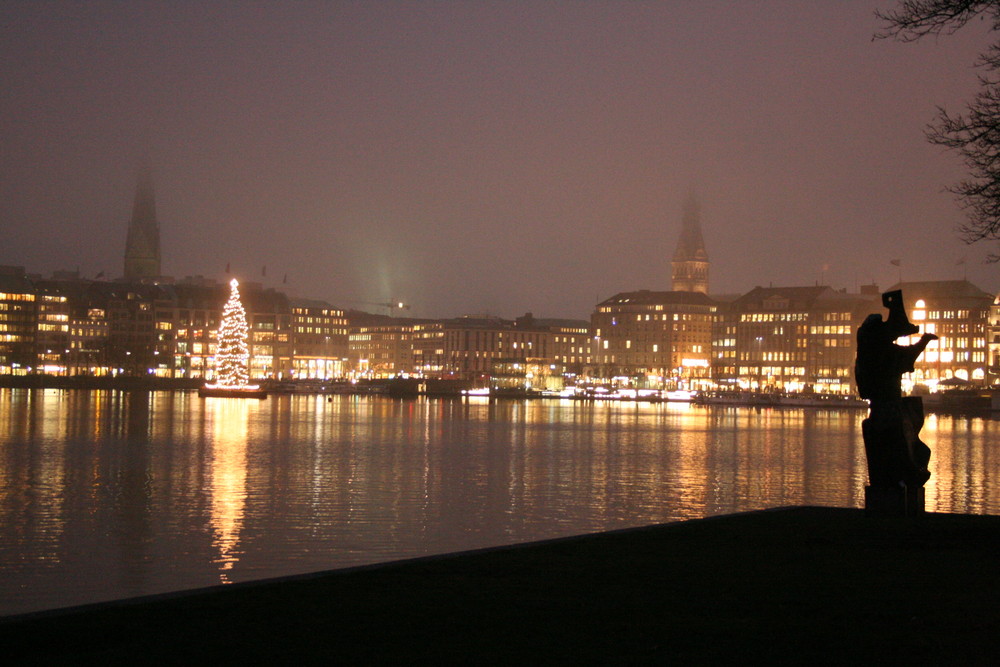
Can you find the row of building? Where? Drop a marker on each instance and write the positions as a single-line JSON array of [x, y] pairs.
[[771, 339], [791, 339], [65, 325], [782, 339]]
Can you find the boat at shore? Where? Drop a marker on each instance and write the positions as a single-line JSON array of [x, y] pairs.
[[962, 400], [216, 391], [767, 399]]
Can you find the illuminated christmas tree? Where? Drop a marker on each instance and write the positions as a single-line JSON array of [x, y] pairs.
[[232, 356]]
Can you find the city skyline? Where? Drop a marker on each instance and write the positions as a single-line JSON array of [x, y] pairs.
[[690, 268], [537, 155]]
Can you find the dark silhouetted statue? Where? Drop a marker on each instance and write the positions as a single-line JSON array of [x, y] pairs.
[[897, 459]]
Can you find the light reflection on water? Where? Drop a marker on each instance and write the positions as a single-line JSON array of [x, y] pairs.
[[112, 494], [229, 475]]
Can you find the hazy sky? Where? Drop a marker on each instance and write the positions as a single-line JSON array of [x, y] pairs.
[[471, 157]]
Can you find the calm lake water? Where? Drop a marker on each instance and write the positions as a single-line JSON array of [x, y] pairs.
[[109, 494]]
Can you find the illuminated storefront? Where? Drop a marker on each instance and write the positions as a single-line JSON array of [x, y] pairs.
[[789, 339], [958, 313], [657, 340]]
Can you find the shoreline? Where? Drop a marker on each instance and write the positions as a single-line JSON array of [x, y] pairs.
[[87, 383], [807, 583]]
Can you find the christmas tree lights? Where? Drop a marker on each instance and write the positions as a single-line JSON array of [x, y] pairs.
[[232, 356]]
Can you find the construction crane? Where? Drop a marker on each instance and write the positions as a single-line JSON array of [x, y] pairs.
[[389, 306]]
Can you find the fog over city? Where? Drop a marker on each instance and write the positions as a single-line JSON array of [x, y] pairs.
[[476, 157]]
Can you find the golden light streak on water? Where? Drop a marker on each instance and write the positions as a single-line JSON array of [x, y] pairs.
[[113, 494], [228, 418]]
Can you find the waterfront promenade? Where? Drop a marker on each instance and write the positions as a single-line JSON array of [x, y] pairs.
[[809, 585]]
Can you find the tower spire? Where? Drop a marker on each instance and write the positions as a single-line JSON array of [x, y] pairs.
[[689, 268], [142, 244]]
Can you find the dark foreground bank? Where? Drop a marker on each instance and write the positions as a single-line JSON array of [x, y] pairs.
[[803, 585]]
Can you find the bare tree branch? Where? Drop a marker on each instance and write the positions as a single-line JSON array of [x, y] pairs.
[[913, 19], [974, 134]]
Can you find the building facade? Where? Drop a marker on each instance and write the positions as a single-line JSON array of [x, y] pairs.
[[465, 348], [958, 313], [571, 345], [381, 350], [320, 346], [789, 339], [655, 340], [993, 343], [18, 322]]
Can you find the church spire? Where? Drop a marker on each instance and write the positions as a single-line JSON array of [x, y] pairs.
[[142, 245], [689, 268]]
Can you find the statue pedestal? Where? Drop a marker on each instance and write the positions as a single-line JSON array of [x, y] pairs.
[[894, 501]]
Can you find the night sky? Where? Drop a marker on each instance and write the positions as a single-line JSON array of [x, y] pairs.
[[474, 157]]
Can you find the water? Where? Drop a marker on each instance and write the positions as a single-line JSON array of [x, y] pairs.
[[107, 494]]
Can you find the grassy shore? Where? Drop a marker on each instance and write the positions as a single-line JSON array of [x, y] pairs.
[[802, 585]]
